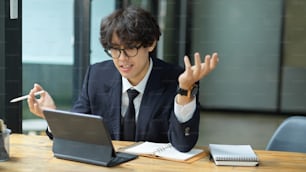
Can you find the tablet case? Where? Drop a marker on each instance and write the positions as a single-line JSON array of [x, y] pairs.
[[84, 138]]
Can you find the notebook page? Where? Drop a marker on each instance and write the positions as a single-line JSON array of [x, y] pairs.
[[172, 153], [145, 148]]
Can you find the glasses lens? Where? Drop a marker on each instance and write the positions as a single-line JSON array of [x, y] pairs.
[[131, 52], [115, 53]]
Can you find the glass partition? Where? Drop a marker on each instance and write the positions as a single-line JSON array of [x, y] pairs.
[[48, 42], [99, 10]]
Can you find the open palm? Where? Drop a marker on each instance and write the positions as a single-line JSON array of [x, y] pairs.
[[194, 73]]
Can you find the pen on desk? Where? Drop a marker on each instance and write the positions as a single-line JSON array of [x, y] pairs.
[[25, 97]]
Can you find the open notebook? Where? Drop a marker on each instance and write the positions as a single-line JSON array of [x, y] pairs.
[[163, 151], [83, 138]]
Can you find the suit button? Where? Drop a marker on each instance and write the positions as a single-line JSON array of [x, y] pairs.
[[187, 131]]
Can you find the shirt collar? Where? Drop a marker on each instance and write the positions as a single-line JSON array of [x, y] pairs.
[[141, 85]]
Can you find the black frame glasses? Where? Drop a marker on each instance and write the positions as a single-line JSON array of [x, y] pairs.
[[115, 53]]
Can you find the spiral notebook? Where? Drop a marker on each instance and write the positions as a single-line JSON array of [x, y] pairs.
[[233, 155], [163, 151]]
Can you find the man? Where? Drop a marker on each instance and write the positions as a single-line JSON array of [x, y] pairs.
[[166, 107]]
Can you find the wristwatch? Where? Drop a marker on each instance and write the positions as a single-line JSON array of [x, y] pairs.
[[192, 92]]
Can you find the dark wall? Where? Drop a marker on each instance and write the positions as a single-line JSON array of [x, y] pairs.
[[247, 34], [2, 59], [294, 58], [10, 66]]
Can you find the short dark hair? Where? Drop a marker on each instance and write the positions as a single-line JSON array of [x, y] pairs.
[[133, 26]]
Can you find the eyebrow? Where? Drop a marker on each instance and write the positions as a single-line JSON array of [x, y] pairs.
[[117, 46]]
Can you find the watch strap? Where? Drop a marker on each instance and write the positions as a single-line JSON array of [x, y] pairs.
[[190, 92]]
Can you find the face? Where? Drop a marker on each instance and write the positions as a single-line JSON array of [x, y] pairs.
[[132, 68]]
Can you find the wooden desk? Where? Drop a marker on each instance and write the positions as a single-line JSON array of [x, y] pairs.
[[34, 153]]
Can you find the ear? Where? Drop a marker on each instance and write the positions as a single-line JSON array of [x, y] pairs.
[[151, 48]]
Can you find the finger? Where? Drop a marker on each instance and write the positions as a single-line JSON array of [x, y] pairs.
[[38, 87], [32, 98], [187, 62], [188, 66], [214, 60], [38, 110], [197, 59], [216, 56], [207, 63], [42, 96], [197, 63], [31, 93], [30, 104], [185, 76]]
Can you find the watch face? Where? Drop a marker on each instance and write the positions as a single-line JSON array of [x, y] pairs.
[[194, 90]]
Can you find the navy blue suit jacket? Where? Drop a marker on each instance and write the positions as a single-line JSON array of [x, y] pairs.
[[101, 95]]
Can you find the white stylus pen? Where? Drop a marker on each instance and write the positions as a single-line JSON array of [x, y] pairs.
[[25, 97]]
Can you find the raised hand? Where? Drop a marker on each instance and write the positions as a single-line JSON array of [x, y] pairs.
[[194, 73]]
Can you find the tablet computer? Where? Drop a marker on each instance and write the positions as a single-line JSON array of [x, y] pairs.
[[83, 137]]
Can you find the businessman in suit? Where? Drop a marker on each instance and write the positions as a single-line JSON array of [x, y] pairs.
[[166, 107]]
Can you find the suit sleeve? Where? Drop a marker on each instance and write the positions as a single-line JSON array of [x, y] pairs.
[[82, 104], [184, 136]]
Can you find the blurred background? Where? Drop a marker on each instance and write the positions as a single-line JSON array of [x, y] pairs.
[[260, 80]]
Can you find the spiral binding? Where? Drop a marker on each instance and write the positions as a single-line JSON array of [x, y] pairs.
[[162, 148], [234, 158]]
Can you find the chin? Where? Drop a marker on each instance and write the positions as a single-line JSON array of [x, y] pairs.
[[125, 75]]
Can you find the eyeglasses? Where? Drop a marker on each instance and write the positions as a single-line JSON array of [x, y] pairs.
[[116, 52]]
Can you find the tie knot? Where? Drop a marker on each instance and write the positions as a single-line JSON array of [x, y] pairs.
[[132, 93]]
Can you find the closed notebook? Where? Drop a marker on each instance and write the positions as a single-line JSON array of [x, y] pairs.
[[233, 155]]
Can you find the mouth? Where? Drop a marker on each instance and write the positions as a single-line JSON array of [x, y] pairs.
[[126, 67]]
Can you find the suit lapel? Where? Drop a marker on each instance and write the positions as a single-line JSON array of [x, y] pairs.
[[115, 88], [151, 96]]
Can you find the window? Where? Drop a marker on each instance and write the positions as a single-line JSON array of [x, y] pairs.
[[48, 42], [99, 10]]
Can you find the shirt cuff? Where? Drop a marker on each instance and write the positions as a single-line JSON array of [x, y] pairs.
[[185, 112]]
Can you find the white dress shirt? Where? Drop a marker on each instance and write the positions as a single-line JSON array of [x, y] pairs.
[[182, 112]]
